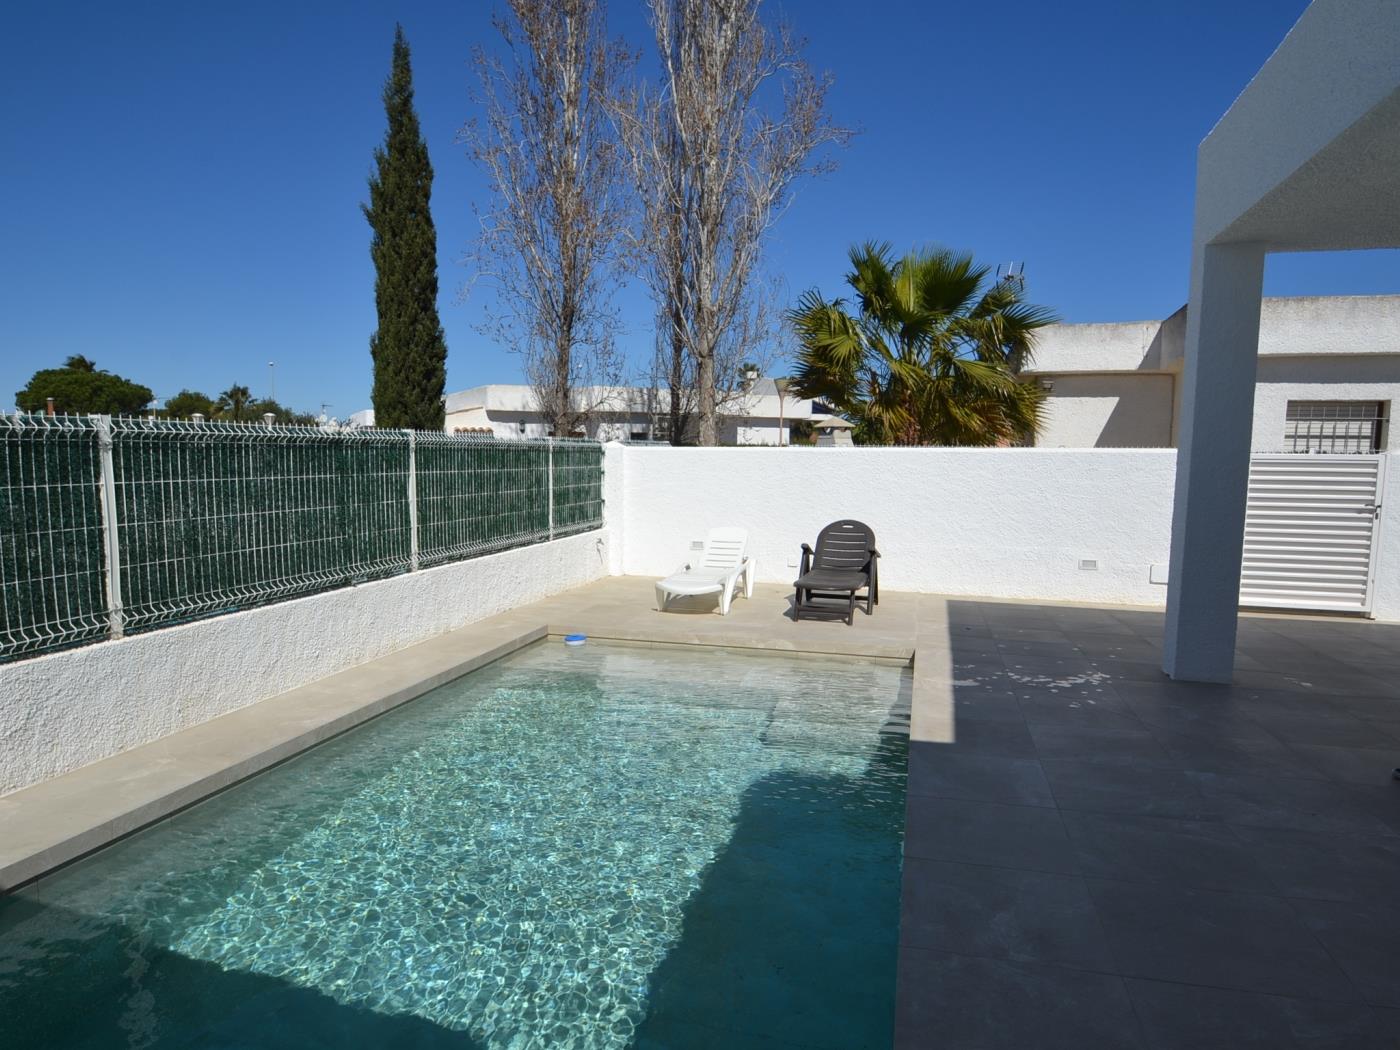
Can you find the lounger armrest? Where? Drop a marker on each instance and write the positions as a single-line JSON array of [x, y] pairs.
[[874, 553], [806, 560]]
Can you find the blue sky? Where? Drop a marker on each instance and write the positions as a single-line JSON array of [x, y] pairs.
[[182, 181]]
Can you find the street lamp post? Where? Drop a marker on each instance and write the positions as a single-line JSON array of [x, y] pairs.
[[782, 386]]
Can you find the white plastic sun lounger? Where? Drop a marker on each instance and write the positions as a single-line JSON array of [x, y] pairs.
[[717, 570]]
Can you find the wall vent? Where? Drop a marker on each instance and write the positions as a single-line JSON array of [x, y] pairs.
[[1088, 564]]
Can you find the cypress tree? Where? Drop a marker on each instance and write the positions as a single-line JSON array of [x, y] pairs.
[[408, 348]]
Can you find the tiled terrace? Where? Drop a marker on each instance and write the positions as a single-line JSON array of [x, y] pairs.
[[1095, 856]]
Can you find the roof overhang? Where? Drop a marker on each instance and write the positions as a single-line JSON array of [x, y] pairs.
[[1306, 158]]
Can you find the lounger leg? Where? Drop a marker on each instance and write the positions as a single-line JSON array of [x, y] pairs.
[[748, 579], [726, 597], [851, 610], [660, 600]]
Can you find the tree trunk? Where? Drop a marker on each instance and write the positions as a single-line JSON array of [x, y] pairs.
[[705, 382]]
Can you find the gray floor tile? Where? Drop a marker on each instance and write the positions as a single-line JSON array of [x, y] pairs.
[[1364, 939], [1005, 737], [1125, 648], [1183, 1017], [965, 643], [1388, 1021], [959, 1001], [1195, 713], [988, 833], [1002, 913], [1050, 639], [971, 703], [1326, 867], [1088, 743], [1131, 671], [943, 771], [1205, 752], [1225, 940], [1327, 730], [1105, 788], [1194, 854], [1052, 672], [1311, 678], [1308, 805], [977, 662], [1372, 707], [1351, 765], [1082, 706]]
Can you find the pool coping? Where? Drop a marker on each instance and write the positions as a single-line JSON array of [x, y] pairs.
[[51, 824]]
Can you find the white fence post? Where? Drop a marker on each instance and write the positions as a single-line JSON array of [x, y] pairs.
[[412, 501], [550, 486], [110, 546]]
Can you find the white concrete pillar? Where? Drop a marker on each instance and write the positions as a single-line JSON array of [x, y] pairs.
[[1212, 466]]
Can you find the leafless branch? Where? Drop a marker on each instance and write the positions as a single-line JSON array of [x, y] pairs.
[[551, 234]]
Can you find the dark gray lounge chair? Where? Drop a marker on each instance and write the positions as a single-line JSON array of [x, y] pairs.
[[844, 563]]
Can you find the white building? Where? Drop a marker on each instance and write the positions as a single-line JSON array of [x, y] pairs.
[[1328, 376], [758, 417]]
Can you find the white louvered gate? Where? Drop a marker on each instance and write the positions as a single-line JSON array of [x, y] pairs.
[[1310, 530]]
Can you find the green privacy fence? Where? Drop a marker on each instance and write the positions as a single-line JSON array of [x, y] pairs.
[[109, 526]]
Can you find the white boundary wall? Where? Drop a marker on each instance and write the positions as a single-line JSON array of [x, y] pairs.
[[64, 710], [992, 523], [1008, 523]]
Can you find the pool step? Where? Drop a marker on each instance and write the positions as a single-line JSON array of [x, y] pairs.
[[896, 722]]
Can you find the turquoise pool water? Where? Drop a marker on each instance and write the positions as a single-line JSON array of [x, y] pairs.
[[596, 847]]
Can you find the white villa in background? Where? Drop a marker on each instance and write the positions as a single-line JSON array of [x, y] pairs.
[[509, 410], [1328, 376], [754, 417]]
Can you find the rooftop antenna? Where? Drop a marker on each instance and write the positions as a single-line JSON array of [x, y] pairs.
[[1012, 271]]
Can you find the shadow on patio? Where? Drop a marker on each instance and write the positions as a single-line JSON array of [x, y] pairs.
[[1104, 857]]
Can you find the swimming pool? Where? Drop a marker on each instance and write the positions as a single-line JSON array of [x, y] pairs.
[[593, 847]]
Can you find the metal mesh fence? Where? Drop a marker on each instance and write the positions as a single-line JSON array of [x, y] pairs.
[[52, 581], [577, 474], [204, 518], [220, 516], [477, 495]]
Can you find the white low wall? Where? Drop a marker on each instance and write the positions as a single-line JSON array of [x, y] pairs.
[[62, 711], [1012, 523]]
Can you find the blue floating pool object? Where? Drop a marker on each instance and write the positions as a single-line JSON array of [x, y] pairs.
[[575, 639]]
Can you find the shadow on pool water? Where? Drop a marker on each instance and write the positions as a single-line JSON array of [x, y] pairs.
[[792, 938]]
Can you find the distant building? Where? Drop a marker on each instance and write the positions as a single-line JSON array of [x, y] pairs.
[[755, 417], [1328, 378]]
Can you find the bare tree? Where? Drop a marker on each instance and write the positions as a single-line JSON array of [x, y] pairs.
[[549, 239], [714, 171]]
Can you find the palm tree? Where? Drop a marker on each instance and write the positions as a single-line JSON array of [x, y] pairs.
[[234, 402], [933, 355]]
